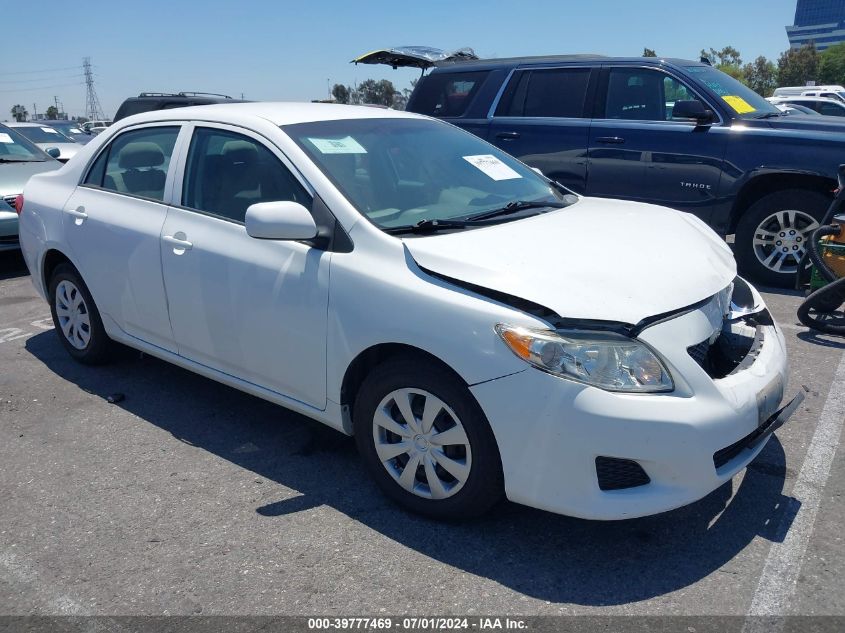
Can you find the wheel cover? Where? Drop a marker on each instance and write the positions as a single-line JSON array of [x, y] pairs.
[[780, 240], [422, 443], [72, 312]]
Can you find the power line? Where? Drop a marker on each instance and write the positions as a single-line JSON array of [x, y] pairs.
[[78, 83], [46, 70], [29, 81]]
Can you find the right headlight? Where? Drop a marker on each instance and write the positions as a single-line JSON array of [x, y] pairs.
[[603, 359]]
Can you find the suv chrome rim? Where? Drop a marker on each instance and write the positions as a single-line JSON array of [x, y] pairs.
[[781, 239], [73, 315], [422, 443]]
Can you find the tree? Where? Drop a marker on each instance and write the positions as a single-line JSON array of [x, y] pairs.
[[648, 52], [832, 65], [377, 92], [797, 66], [19, 113], [52, 113], [761, 76], [728, 56], [341, 93]]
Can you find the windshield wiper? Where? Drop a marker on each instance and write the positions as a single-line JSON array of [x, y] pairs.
[[516, 206], [5, 159], [432, 226], [772, 115]]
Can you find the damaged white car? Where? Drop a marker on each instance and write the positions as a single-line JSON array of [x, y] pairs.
[[480, 330]]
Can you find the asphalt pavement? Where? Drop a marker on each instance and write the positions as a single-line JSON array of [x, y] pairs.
[[188, 497]]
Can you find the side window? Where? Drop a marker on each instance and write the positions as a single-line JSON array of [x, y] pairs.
[[136, 162], [556, 92], [831, 109], [98, 170], [447, 94], [637, 94], [227, 172]]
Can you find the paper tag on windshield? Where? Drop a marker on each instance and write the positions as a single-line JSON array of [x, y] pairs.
[[492, 166], [5, 138], [49, 130], [73, 130], [739, 104], [346, 145]]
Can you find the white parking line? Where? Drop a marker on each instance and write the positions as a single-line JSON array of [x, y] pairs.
[[783, 564]]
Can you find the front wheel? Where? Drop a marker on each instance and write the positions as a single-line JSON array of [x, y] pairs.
[[426, 441], [773, 233]]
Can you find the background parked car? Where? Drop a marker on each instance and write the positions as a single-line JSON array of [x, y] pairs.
[[827, 107], [655, 130], [47, 137], [792, 108], [95, 127], [19, 159], [71, 129], [149, 101], [828, 92]]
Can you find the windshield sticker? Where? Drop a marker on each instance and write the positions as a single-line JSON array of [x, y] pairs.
[[492, 166], [739, 104], [5, 138], [346, 145], [73, 130]]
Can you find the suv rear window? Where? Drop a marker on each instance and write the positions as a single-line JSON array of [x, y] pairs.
[[447, 94], [553, 92]]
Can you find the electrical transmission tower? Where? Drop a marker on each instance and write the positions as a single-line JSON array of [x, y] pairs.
[[93, 111]]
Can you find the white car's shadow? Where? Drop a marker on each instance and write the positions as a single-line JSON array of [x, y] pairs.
[[543, 555]]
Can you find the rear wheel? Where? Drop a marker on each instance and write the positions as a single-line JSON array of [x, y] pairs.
[[426, 441], [76, 317], [772, 235]]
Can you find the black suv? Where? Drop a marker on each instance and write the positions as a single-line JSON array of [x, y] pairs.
[[665, 131], [149, 101]]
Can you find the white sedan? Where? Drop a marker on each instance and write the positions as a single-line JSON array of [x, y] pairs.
[[480, 330]]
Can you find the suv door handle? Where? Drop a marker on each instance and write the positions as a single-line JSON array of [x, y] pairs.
[[507, 136], [610, 140], [176, 243]]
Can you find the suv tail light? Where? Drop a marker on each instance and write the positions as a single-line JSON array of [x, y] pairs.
[[19, 203]]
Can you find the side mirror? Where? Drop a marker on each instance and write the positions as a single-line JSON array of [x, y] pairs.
[[55, 152], [694, 110], [280, 221]]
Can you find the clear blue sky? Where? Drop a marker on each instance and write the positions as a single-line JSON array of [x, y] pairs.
[[281, 50]]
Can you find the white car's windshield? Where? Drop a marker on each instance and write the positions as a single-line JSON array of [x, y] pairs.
[[401, 172]]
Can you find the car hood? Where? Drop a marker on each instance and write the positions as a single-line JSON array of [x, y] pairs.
[[13, 176], [806, 123], [598, 259]]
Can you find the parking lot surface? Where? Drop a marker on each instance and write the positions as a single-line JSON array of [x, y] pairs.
[[188, 497]]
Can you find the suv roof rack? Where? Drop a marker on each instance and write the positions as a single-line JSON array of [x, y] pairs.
[[183, 94]]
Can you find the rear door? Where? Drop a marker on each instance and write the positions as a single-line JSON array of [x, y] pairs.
[[542, 118], [112, 223], [639, 151]]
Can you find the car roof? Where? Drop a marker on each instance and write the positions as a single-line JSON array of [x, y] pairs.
[[789, 98], [29, 123], [278, 113], [513, 62]]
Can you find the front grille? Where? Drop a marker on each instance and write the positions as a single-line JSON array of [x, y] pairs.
[[699, 353], [618, 474]]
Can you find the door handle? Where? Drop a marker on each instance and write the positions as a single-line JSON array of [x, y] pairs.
[[177, 243], [78, 213], [610, 140], [507, 136]]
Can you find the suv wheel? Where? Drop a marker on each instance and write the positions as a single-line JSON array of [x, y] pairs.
[[426, 441], [76, 317], [772, 235]]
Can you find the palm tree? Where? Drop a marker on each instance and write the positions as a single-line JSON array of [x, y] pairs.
[[19, 113]]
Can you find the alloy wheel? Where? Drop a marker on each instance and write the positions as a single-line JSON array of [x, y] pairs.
[[780, 240]]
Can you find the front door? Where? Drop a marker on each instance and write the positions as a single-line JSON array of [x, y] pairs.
[[638, 151], [254, 309], [113, 223]]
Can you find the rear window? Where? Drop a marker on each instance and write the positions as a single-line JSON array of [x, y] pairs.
[[447, 94], [553, 92]]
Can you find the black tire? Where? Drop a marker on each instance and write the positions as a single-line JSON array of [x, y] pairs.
[[99, 347], [809, 203], [483, 487]]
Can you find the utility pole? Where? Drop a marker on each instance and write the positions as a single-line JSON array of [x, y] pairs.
[[34, 112], [93, 111]]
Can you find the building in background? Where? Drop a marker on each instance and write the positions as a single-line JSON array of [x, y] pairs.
[[818, 21]]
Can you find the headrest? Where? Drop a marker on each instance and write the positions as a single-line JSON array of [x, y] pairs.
[[140, 154], [240, 152]]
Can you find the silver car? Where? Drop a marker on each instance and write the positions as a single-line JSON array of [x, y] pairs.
[[47, 137], [19, 159]]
